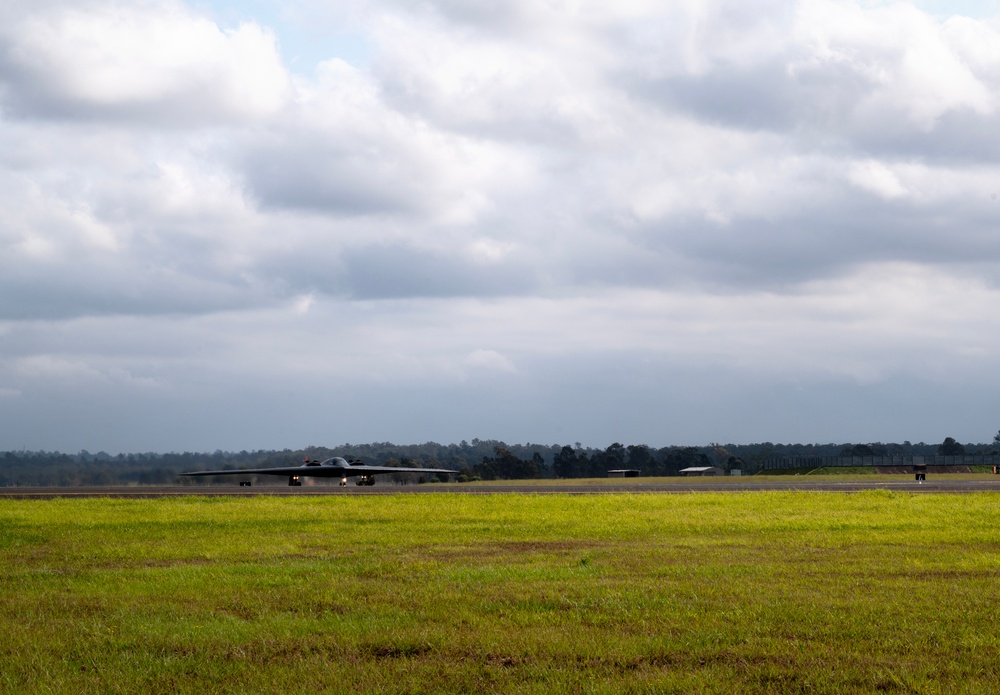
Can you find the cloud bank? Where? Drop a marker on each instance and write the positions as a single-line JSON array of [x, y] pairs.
[[649, 222]]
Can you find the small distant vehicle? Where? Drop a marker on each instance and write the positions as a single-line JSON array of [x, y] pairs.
[[335, 467]]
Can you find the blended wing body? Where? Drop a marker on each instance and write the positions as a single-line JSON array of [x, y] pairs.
[[335, 467]]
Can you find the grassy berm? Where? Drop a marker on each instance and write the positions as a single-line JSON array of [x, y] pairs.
[[728, 592]]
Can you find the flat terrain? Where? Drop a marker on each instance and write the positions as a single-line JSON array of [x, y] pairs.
[[776, 591]]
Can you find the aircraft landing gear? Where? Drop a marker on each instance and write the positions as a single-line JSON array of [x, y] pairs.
[[293, 481], [343, 482]]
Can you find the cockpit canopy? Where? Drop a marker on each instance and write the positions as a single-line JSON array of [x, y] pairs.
[[335, 461]]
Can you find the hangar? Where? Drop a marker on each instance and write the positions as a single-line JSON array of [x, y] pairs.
[[702, 470]]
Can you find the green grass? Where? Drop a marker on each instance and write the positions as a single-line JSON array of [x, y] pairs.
[[728, 592]]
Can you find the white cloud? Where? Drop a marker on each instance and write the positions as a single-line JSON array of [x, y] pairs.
[[343, 151], [907, 69], [53, 367], [489, 250], [976, 44], [877, 178], [304, 303], [490, 360], [155, 61]]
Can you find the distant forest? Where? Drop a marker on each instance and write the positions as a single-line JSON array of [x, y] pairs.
[[476, 460]]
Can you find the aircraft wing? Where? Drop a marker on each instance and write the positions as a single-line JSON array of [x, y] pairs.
[[369, 470], [317, 471], [321, 471]]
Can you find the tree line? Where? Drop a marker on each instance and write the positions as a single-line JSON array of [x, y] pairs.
[[475, 460]]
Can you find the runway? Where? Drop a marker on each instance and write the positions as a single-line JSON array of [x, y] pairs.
[[949, 484]]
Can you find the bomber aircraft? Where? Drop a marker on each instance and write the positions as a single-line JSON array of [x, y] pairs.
[[335, 467]]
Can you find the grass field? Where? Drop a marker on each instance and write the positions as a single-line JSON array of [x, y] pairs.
[[706, 592]]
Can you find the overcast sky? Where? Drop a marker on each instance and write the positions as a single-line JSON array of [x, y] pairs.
[[240, 225]]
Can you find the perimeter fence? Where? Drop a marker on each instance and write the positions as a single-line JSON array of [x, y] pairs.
[[785, 462]]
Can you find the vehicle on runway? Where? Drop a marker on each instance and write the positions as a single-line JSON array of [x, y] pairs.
[[335, 467]]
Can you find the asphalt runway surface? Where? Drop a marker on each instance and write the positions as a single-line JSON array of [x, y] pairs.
[[669, 486]]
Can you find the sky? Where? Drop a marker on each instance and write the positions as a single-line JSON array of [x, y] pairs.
[[260, 225]]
